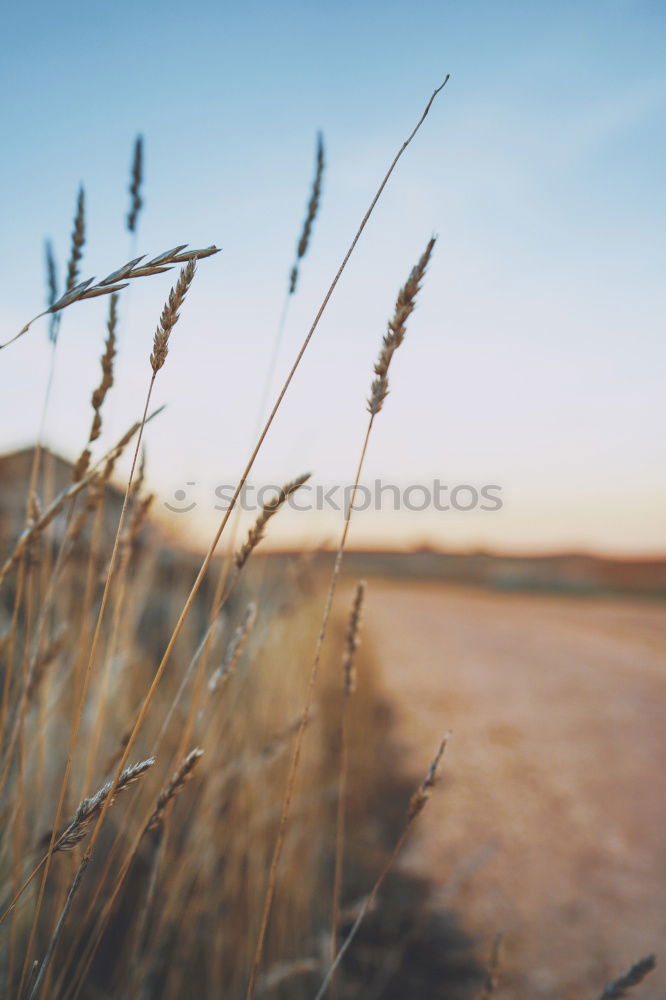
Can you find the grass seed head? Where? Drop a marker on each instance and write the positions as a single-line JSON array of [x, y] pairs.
[[310, 214], [78, 240], [176, 783], [395, 334], [136, 202], [256, 532], [170, 315], [422, 794], [353, 640], [89, 808]]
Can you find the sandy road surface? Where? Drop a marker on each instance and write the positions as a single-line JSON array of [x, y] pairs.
[[555, 772]]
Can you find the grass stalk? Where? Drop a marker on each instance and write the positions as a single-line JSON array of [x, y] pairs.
[[416, 806], [394, 337], [348, 687], [168, 319]]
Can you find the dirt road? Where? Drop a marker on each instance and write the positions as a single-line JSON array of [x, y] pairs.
[[553, 802]]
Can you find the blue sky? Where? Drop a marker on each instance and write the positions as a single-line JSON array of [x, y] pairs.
[[535, 359]]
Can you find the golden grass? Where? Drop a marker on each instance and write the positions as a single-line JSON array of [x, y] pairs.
[[352, 642], [404, 306], [68, 693], [227, 869]]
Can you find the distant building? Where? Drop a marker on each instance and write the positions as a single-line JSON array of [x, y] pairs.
[[169, 570], [55, 476]]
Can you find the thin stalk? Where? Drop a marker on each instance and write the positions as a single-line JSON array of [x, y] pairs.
[[367, 903], [348, 687], [141, 929], [11, 646], [115, 632], [305, 717], [393, 338], [416, 805], [213, 546], [341, 813], [55, 937], [272, 364]]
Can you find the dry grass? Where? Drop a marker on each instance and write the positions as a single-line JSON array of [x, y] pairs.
[[170, 315], [269, 510], [76, 671], [232, 868], [117, 280], [99, 394], [216, 840], [352, 642], [408, 293], [78, 241]]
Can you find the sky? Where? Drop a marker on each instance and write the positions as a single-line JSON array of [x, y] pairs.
[[534, 361]]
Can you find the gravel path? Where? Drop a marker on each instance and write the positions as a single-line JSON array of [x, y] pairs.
[[554, 775]]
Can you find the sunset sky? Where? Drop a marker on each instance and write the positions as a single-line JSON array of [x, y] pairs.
[[535, 359]]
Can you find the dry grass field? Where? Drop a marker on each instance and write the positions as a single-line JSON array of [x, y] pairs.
[[552, 817], [262, 801], [177, 905], [203, 791]]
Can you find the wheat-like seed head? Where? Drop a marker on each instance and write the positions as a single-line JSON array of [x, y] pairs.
[[170, 315], [100, 392], [51, 288], [106, 382], [353, 640], [135, 185], [176, 783], [76, 254], [395, 333], [422, 794], [118, 280], [632, 977], [234, 649], [51, 274], [256, 532], [90, 807], [311, 213], [78, 239]]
